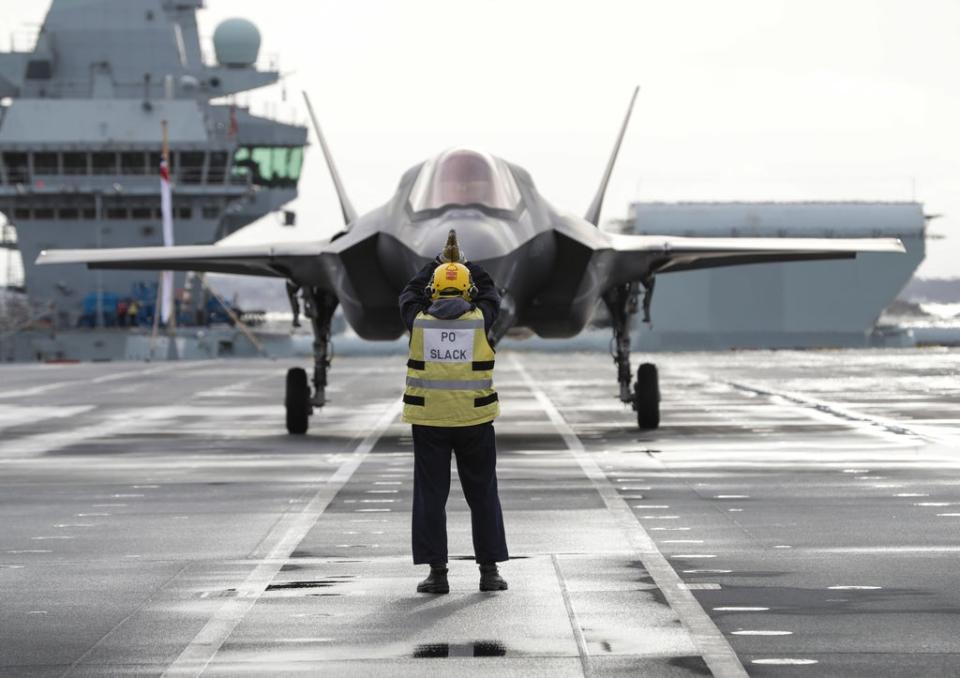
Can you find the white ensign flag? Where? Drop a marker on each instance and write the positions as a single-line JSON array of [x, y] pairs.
[[166, 211]]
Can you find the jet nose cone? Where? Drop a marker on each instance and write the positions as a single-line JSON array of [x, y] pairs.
[[481, 237]]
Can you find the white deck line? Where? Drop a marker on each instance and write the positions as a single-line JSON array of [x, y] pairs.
[[572, 616], [45, 388], [891, 428], [124, 421], [285, 536], [12, 416], [710, 641]]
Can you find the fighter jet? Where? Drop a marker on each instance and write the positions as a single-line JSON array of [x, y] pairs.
[[551, 266]]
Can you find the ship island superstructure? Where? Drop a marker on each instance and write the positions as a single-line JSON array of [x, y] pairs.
[[80, 143]]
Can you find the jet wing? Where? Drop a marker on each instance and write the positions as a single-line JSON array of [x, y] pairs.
[[637, 257], [299, 261]]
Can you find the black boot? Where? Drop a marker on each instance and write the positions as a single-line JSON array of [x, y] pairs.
[[436, 582], [490, 579]]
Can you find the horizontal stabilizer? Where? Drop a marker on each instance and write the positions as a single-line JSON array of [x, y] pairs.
[[638, 257], [299, 261]]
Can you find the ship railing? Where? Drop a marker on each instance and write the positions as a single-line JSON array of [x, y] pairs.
[[189, 167], [193, 177]]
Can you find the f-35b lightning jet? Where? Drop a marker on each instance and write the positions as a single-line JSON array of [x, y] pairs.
[[551, 266]]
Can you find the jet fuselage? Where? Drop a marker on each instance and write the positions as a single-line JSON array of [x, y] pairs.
[[523, 249]]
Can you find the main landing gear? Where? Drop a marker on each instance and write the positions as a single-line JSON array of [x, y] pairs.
[[319, 306], [622, 302]]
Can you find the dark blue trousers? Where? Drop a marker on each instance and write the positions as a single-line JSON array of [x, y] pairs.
[[476, 451]]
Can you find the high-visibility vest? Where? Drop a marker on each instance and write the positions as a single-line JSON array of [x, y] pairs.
[[450, 372]]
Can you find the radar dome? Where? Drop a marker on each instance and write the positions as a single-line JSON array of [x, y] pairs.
[[236, 42]]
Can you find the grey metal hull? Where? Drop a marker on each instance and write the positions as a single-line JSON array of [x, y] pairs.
[[786, 305]]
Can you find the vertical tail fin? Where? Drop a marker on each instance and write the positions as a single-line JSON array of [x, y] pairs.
[[593, 212], [349, 214]]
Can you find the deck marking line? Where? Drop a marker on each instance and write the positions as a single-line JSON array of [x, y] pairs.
[[137, 610], [710, 642], [18, 415], [574, 624], [285, 536], [122, 422], [45, 388], [884, 424]]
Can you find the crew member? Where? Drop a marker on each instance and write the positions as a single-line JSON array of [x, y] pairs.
[[133, 311], [451, 403]]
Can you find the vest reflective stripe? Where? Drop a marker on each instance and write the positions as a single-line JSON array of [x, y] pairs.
[[455, 324], [449, 384], [452, 385]]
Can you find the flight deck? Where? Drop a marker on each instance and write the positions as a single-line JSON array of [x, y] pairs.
[[796, 514]]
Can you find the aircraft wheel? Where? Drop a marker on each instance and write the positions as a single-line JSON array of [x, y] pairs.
[[646, 397], [297, 401]]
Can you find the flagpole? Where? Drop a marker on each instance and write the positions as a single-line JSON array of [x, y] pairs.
[[164, 306], [156, 313], [166, 209]]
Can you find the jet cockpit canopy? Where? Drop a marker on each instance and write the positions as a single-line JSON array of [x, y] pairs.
[[462, 177]]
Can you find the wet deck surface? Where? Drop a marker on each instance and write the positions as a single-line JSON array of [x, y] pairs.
[[796, 514]]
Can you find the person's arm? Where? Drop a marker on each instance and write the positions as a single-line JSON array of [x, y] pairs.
[[487, 298], [413, 298]]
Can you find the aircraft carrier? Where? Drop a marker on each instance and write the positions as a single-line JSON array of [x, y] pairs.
[[813, 304], [795, 515], [80, 144], [80, 138]]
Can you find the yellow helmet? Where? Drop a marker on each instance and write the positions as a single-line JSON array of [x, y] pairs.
[[451, 280]]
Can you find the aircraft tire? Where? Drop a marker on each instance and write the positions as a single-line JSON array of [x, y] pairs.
[[297, 401], [646, 397]]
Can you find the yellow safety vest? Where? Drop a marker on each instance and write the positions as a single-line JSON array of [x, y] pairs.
[[450, 372]]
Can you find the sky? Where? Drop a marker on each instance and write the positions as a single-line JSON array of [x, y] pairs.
[[740, 100]]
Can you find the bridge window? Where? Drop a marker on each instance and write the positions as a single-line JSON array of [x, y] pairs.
[[133, 163], [74, 163], [191, 167], [104, 163], [275, 167], [16, 166], [45, 163], [217, 171], [296, 163]]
